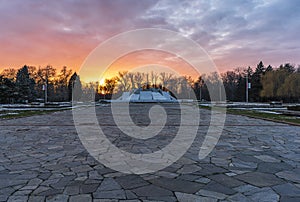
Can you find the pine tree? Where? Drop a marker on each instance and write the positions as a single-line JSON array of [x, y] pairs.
[[25, 85], [256, 85], [74, 88], [8, 92]]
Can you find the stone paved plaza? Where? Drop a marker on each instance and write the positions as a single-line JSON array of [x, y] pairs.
[[42, 159]]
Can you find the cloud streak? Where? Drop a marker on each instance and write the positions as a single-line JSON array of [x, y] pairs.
[[234, 33]]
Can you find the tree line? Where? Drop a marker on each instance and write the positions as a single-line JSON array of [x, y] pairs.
[[265, 83], [28, 84]]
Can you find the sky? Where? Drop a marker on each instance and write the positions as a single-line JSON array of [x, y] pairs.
[[234, 33]]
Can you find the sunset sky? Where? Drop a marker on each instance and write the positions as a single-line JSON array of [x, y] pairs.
[[234, 33]]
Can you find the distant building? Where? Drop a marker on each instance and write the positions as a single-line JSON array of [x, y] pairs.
[[147, 95]]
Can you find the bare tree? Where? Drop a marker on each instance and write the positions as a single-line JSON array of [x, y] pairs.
[[9, 73], [130, 77], [123, 80], [165, 78], [139, 79], [154, 78]]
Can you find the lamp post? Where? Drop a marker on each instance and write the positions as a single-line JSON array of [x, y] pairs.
[[201, 84], [46, 91], [248, 86], [45, 78], [45, 88], [220, 90], [46, 84]]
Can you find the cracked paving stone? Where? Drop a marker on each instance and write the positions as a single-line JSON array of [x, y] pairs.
[[63, 182], [267, 167], [265, 194], [35, 182], [131, 181], [89, 181], [289, 199], [81, 198], [260, 163], [81, 168], [186, 169], [166, 174], [130, 195], [188, 177], [244, 164], [184, 197], [230, 174], [111, 194], [216, 187], [259, 179], [267, 158], [41, 189], [162, 198], [109, 184], [211, 194], [51, 192], [290, 175], [17, 198], [151, 190], [57, 198], [245, 188], [29, 187], [177, 185], [210, 169], [11, 182], [71, 190], [226, 180], [2, 168], [36, 198], [22, 192], [287, 189], [238, 198], [94, 175], [203, 180], [6, 191], [88, 188]]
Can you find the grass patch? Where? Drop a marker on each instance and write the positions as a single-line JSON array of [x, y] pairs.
[[293, 120], [12, 114], [267, 116]]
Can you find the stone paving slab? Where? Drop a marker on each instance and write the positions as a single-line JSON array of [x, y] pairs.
[[42, 159]]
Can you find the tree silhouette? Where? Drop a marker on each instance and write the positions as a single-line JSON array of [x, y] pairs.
[[25, 85], [74, 88]]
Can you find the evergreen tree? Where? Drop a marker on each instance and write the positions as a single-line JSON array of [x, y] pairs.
[[256, 85], [8, 91], [269, 68], [25, 85], [74, 88], [287, 67]]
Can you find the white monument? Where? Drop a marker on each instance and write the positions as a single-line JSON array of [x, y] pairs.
[[147, 95]]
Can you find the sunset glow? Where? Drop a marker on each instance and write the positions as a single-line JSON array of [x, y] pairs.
[[63, 33], [146, 61]]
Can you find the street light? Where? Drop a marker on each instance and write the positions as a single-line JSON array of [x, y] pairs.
[[45, 88], [248, 86], [201, 83]]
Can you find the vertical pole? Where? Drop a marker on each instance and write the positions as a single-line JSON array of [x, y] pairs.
[[220, 91], [46, 84], [200, 92], [247, 95], [46, 91]]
